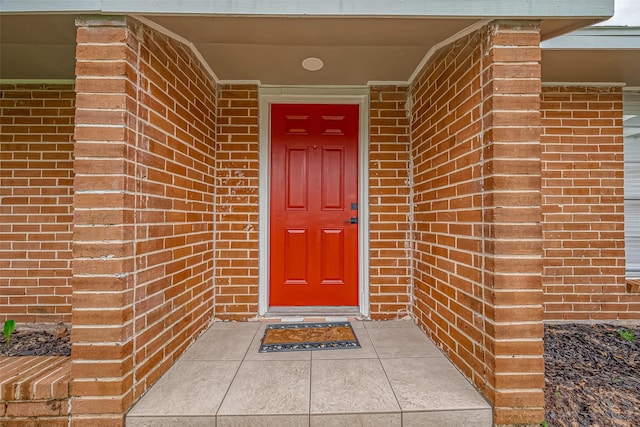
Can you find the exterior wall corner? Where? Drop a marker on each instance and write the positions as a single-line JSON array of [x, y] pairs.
[[477, 229], [143, 213]]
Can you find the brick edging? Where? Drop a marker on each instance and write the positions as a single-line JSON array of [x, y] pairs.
[[35, 386]]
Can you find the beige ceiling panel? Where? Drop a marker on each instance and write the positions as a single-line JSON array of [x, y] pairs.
[[591, 66], [40, 29], [346, 65], [34, 61], [313, 31]]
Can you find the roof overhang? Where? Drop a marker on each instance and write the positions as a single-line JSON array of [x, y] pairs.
[[594, 55], [266, 41]]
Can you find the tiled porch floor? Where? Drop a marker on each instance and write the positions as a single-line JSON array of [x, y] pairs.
[[397, 378]]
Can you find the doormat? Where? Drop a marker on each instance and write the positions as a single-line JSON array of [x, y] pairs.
[[308, 336]]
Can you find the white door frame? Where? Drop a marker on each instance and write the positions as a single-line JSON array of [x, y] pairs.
[[268, 95]]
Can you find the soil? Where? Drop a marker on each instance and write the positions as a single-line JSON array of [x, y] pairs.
[[37, 340], [592, 375]]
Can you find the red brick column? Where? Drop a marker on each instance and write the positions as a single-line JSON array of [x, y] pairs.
[[389, 203], [511, 216], [103, 240], [144, 212], [476, 198]]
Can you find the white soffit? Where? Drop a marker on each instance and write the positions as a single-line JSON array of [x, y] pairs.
[[596, 54], [618, 38]]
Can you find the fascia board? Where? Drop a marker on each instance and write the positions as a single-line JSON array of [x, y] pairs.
[[531, 9], [48, 6]]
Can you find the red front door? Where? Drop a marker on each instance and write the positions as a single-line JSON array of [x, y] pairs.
[[314, 195]]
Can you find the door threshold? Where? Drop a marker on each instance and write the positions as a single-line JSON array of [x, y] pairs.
[[320, 311]]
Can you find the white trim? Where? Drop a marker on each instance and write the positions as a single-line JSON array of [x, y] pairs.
[[435, 48], [264, 191], [582, 84], [442, 8], [314, 95]]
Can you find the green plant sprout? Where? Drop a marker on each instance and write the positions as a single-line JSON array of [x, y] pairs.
[[544, 424], [627, 335], [9, 326]]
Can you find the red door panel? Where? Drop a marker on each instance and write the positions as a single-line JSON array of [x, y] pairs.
[[331, 256], [314, 194], [295, 249]]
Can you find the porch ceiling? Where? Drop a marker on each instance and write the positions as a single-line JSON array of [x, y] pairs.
[[354, 50], [358, 45], [597, 54]]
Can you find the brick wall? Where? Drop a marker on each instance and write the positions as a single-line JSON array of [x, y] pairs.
[[447, 178], [174, 204], [583, 205], [447, 175], [237, 170], [389, 203], [143, 242], [36, 193], [476, 173]]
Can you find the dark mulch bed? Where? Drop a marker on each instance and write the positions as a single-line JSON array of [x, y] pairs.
[[592, 376], [37, 341]]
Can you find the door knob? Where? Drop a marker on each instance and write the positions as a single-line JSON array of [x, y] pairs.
[[352, 220]]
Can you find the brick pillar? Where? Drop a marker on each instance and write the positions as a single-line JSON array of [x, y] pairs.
[[512, 229], [103, 238]]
